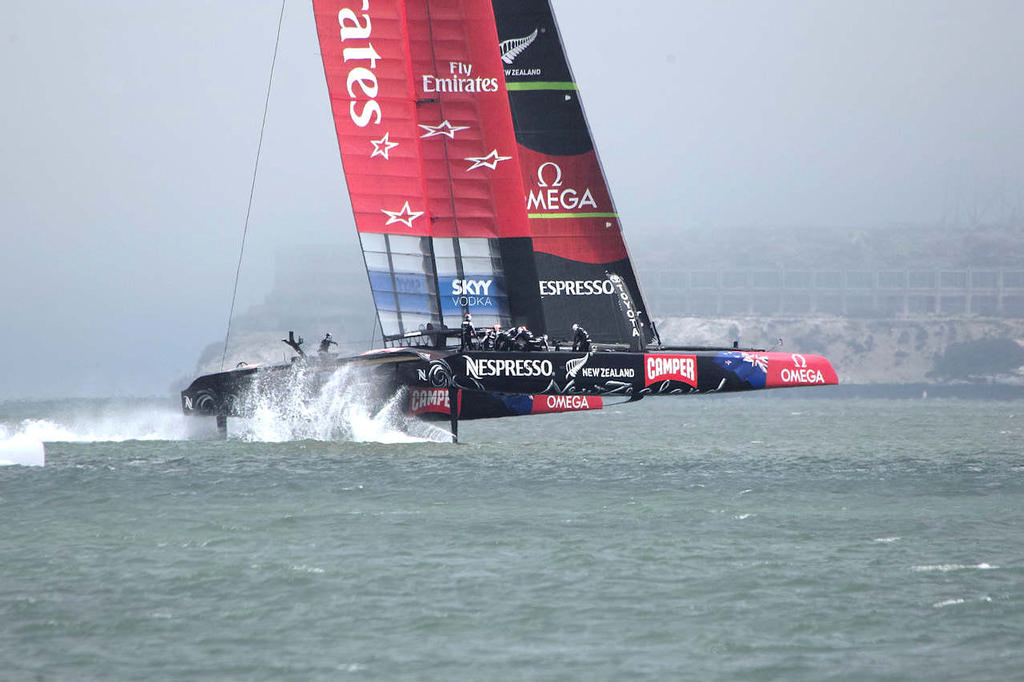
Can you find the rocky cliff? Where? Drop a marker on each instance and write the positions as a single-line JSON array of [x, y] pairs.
[[870, 351]]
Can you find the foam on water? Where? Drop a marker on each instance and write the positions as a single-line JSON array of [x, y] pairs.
[[947, 568], [21, 442], [22, 450], [342, 408], [957, 601], [116, 426]]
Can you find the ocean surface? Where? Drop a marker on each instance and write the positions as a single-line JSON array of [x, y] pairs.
[[749, 537]]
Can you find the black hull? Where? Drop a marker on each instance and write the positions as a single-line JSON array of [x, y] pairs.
[[381, 374], [635, 375]]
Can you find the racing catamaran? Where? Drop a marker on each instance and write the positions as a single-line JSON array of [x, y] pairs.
[[477, 190]]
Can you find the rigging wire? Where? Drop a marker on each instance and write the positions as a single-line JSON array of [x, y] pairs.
[[252, 187], [373, 331]]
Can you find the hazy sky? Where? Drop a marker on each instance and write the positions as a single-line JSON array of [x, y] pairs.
[[128, 132]]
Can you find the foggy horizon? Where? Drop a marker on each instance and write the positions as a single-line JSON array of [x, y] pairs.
[[131, 134]]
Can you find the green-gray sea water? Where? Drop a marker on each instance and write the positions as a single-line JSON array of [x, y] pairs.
[[759, 537]]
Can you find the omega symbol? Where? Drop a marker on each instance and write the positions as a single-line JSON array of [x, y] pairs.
[[558, 175]]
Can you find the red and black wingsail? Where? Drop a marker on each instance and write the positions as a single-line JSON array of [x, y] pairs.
[[473, 178]]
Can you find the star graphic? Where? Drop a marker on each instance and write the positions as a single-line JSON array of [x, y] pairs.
[[443, 128], [382, 146], [489, 161], [405, 216]]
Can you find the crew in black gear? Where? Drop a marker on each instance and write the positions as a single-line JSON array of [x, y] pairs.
[[325, 345], [468, 333], [490, 340], [503, 339], [580, 339], [296, 345], [523, 339]]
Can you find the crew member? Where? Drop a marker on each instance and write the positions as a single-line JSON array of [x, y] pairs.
[[325, 345], [511, 337], [490, 340], [468, 333], [296, 345], [523, 339], [580, 339], [503, 338]]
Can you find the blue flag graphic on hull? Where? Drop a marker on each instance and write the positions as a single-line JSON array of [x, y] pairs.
[[748, 367]]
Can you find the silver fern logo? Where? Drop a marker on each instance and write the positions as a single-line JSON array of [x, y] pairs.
[[512, 48], [572, 367]]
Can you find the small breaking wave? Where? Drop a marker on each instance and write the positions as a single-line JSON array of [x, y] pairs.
[[946, 568], [957, 601]]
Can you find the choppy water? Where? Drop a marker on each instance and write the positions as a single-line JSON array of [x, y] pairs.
[[752, 537]]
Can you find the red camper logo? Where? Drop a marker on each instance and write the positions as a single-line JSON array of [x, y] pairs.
[[680, 368], [426, 400]]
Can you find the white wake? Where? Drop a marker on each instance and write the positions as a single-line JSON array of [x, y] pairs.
[[341, 407], [115, 425], [22, 442], [304, 406]]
